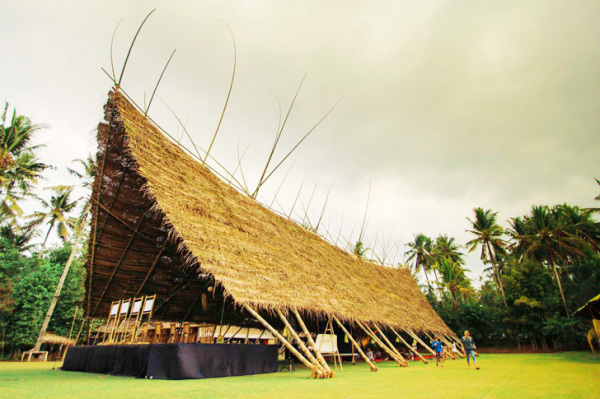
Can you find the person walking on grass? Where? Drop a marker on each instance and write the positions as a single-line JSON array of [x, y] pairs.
[[470, 347], [439, 352]]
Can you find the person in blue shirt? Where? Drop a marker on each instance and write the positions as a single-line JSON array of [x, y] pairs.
[[439, 352], [470, 347]]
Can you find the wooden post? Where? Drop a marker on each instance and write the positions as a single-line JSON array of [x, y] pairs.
[[381, 344], [307, 353], [356, 345], [311, 341], [70, 334], [409, 346], [316, 372], [419, 340], [336, 354], [387, 341]]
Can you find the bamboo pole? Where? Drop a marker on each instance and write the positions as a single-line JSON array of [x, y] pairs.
[[448, 342], [315, 371], [432, 336], [381, 344], [320, 357], [419, 340], [392, 347], [409, 346], [63, 277], [356, 345], [302, 346], [70, 334]]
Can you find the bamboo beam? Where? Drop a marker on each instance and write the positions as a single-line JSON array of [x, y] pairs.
[[432, 336], [392, 347], [419, 340], [154, 263], [448, 345], [409, 346], [315, 371], [302, 346], [356, 345], [311, 341], [178, 288], [234, 334], [113, 201], [118, 219], [99, 177], [381, 344], [120, 262]]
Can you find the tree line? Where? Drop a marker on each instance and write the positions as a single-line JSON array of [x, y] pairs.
[[30, 271], [539, 271]]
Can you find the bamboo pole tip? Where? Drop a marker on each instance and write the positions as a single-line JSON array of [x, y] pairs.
[[374, 368]]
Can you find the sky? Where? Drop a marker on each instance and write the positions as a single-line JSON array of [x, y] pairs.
[[445, 105]]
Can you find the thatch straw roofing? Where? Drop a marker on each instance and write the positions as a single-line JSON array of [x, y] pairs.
[[259, 257], [54, 339]]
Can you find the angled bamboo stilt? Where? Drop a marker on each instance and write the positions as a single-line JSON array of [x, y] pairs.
[[409, 346], [432, 336], [381, 344], [419, 340], [356, 345], [392, 347], [301, 344], [312, 343], [316, 372], [448, 345]]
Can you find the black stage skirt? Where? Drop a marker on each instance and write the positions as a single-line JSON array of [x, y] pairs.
[[173, 361]]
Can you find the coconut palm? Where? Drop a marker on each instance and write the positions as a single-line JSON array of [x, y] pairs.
[[56, 212], [16, 236], [454, 279], [19, 167], [446, 248], [488, 234], [420, 253], [547, 236]]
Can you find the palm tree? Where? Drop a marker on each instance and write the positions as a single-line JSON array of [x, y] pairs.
[[489, 234], [56, 212], [547, 236], [79, 232], [17, 237], [20, 169], [420, 252], [454, 279]]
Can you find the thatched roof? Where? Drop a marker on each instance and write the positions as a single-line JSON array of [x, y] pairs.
[[259, 257], [54, 339]]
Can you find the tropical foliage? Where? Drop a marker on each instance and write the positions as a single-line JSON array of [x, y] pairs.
[[28, 273], [542, 268]]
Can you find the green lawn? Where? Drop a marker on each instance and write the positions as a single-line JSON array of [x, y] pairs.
[[570, 374]]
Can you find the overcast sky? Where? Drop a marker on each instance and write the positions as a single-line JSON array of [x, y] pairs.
[[446, 105]]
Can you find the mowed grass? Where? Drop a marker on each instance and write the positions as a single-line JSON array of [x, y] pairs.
[[569, 374]]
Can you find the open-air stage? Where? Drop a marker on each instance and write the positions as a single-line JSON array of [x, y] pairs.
[[173, 361]]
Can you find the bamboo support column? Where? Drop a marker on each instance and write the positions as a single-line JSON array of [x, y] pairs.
[[312, 343], [316, 372], [419, 340], [432, 336], [303, 347], [448, 342], [356, 345], [392, 347], [458, 342], [410, 346], [381, 344]]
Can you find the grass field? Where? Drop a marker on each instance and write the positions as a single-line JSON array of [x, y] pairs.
[[570, 374]]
